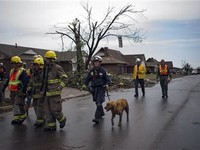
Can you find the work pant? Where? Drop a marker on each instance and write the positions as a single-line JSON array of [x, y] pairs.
[[99, 110], [2, 95], [53, 110], [17, 101], [164, 85], [38, 105], [98, 94], [27, 103], [141, 82]]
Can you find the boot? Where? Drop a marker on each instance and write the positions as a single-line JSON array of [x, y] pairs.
[[62, 123], [96, 120], [15, 122], [47, 129], [38, 124]]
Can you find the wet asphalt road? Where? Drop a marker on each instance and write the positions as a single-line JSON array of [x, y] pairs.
[[155, 123]]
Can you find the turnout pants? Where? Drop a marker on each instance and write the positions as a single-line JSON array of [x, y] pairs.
[[17, 100], [53, 110], [38, 105]]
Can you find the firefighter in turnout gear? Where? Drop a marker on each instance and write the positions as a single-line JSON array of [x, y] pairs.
[[34, 88], [55, 80], [99, 80], [165, 77], [17, 85], [29, 75]]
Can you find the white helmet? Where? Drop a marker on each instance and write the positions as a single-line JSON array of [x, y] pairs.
[[138, 60], [97, 58]]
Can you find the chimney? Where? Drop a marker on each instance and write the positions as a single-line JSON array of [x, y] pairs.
[[15, 45]]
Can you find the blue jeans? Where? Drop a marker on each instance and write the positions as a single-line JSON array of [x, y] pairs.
[[141, 82]]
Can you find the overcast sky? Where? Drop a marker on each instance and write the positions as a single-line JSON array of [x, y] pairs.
[[171, 27]]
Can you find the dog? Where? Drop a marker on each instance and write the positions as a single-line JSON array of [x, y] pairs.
[[117, 107]]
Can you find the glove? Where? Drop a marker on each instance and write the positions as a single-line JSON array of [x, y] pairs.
[[28, 94], [58, 100], [59, 88], [169, 80], [83, 87], [106, 86], [42, 93]]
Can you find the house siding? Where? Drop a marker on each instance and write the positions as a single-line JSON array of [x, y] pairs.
[[115, 68]]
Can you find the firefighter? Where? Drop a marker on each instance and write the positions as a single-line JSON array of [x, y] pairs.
[[34, 88], [139, 73], [2, 81], [17, 85], [29, 75], [99, 80], [165, 77], [55, 80]]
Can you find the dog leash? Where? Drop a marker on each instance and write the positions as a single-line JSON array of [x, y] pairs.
[[108, 94]]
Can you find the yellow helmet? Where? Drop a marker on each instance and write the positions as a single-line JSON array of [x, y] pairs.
[[39, 61], [50, 54], [16, 59]]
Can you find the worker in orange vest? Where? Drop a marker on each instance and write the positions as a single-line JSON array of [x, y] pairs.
[[165, 77], [17, 85]]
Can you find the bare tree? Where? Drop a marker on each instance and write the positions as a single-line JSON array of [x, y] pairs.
[[93, 32], [187, 67]]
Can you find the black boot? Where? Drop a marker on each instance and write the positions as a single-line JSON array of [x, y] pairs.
[[96, 120], [38, 124], [15, 122], [62, 123], [47, 129]]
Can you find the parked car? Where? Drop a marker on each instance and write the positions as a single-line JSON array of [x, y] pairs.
[[194, 72]]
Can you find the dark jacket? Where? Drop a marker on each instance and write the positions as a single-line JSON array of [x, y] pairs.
[[97, 77]]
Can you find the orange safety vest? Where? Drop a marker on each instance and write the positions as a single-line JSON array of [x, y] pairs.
[[163, 70], [14, 79]]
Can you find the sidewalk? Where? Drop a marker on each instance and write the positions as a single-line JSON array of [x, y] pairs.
[[67, 93]]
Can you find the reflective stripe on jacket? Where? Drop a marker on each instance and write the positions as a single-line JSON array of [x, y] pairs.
[[35, 84], [14, 81], [163, 70], [141, 72]]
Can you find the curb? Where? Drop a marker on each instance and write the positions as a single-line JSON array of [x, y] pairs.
[[8, 108], [5, 109]]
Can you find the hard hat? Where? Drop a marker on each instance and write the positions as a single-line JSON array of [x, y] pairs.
[[16, 59], [138, 60], [39, 61], [50, 55], [1, 64], [97, 58]]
